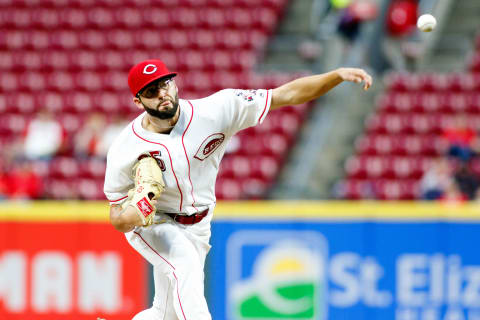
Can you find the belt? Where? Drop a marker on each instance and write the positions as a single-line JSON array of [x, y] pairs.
[[194, 218]]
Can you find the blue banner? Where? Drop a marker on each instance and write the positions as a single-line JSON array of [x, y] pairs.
[[359, 269]]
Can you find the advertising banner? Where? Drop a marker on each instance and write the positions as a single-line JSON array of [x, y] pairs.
[[68, 269], [308, 264]]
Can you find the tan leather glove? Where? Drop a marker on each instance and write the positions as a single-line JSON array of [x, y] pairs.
[[149, 185]]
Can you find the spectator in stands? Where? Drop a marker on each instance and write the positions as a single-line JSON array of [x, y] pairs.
[[22, 182], [96, 136], [467, 181], [400, 22], [112, 130], [44, 137], [86, 140], [436, 180], [352, 17], [460, 141]]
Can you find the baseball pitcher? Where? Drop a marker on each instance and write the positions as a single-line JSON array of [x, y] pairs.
[[161, 171]]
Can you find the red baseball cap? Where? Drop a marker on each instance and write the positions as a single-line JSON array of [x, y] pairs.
[[145, 72]]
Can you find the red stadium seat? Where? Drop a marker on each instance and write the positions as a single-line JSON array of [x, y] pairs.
[[54, 61], [212, 18], [92, 39], [73, 18], [264, 167], [88, 81], [201, 39], [53, 101], [71, 122], [82, 60], [64, 40], [61, 188], [254, 188], [43, 18], [228, 189], [28, 60], [90, 189], [128, 18], [63, 167], [156, 18], [23, 103], [78, 103], [60, 81], [8, 82], [100, 18]]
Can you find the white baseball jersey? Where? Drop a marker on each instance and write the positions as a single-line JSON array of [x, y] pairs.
[[189, 157]]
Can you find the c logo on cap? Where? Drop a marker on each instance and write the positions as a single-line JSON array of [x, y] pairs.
[[152, 68]]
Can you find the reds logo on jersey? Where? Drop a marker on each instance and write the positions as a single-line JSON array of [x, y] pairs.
[[209, 145], [157, 156]]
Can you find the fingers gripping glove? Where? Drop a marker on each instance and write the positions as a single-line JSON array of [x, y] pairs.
[[149, 185]]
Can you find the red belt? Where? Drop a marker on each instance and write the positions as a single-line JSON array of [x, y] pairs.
[[194, 218]]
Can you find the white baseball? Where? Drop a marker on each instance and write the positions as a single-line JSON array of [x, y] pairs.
[[426, 22]]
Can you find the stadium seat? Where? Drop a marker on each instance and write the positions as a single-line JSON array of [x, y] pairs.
[[228, 189], [63, 168]]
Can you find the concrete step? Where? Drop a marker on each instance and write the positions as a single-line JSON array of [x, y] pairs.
[[445, 63], [454, 43]]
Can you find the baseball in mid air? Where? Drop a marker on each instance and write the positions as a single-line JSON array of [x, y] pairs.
[[426, 22]]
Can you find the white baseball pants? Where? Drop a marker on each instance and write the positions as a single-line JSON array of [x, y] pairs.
[[177, 254]]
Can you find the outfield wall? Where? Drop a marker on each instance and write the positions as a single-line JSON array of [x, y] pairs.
[[269, 260]]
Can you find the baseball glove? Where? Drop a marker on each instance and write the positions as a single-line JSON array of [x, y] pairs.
[[149, 185]]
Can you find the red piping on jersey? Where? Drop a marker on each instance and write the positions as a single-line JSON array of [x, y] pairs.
[[178, 295], [118, 199], [171, 163], [138, 234], [264, 109], [176, 279], [185, 150]]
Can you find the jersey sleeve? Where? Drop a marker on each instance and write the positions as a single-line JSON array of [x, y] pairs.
[[117, 181], [246, 108]]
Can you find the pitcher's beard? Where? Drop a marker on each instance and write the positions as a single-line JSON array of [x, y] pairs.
[[165, 114]]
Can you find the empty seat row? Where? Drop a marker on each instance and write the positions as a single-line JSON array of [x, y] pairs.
[[77, 61], [25, 104], [120, 39], [251, 188], [261, 166], [115, 81], [381, 189], [432, 82], [262, 18], [413, 123], [429, 102], [396, 144], [115, 4], [387, 167], [66, 167], [82, 188]]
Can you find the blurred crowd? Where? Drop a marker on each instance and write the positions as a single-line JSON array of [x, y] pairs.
[[44, 138], [450, 177]]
